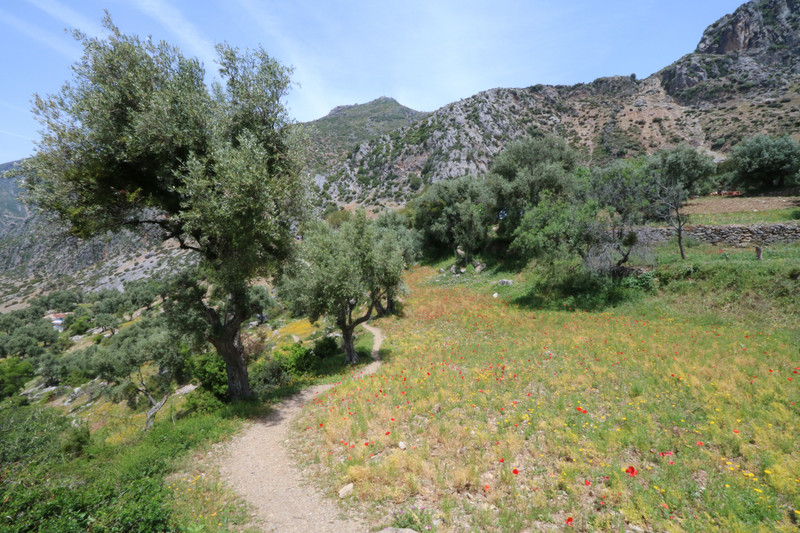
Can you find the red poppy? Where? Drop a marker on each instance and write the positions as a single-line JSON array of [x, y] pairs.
[[588, 483], [569, 521], [502, 460], [515, 471], [632, 471]]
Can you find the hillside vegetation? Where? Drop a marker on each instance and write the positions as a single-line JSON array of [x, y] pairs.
[[346, 126]]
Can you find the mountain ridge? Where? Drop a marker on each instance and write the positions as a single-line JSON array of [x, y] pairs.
[[742, 79], [708, 100]]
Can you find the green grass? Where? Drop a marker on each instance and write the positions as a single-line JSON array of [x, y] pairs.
[[746, 217], [99, 486], [515, 413]]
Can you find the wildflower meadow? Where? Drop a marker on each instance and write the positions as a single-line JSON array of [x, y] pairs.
[[497, 417]]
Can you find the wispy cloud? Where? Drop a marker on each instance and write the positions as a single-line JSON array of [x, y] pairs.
[[69, 16], [60, 45], [14, 107], [313, 97], [175, 21], [17, 135]]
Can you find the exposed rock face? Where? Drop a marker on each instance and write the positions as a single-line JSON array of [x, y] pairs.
[[757, 46], [767, 28]]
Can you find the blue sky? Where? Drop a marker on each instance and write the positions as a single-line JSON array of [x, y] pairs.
[[424, 53]]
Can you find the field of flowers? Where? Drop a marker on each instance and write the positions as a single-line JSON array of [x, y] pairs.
[[492, 417]]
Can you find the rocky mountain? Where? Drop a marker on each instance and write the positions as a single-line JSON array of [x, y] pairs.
[[332, 136], [12, 211], [743, 79], [36, 254], [755, 48]]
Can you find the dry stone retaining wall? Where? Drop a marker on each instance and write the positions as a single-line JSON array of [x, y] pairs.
[[732, 235]]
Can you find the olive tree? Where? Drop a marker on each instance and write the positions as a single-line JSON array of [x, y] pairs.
[[558, 227], [342, 273], [126, 360], [455, 214], [763, 162], [677, 174], [137, 139], [525, 169]]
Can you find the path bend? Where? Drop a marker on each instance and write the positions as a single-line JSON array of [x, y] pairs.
[[257, 464]]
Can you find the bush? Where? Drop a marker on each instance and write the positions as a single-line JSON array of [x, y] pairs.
[[202, 401], [325, 347], [13, 375], [763, 162], [643, 281], [266, 376], [75, 440], [28, 434], [209, 369], [294, 358], [80, 326]]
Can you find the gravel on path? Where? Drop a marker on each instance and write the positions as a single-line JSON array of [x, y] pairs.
[[259, 467]]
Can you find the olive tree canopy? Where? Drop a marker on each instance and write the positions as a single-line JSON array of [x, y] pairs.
[[137, 138], [344, 273]]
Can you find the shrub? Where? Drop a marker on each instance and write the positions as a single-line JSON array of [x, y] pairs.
[[13, 375], [325, 347], [266, 376], [763, 162], [294, 358], [643, 281], [75, 440], [202, 401], [209, 369], [80, 326], [28, 434]]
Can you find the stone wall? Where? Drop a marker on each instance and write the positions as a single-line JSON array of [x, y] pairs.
[[732, 235]]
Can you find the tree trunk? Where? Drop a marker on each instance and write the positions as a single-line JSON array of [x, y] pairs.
[[348, 325], [379, 309], [350, 354], [680, 241], [229, 347], [226, 337], [151, 414], [390, 305]]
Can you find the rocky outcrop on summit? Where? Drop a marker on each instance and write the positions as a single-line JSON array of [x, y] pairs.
[[756, 47], [768, 29]]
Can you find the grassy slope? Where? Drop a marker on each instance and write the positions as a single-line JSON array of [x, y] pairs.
[[520, 418], [121, 479]]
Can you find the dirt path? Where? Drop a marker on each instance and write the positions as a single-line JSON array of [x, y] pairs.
[[258, 466]]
